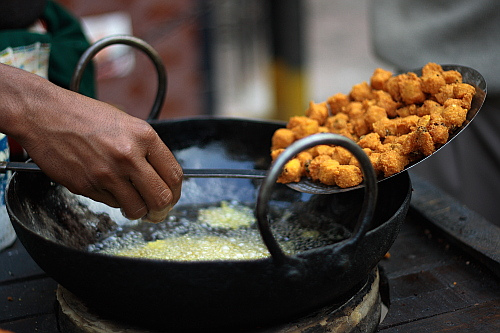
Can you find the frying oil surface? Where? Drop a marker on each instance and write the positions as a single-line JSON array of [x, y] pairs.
[[198, 248], [227, 231]]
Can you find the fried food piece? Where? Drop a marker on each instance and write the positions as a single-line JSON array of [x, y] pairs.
[[408, 110], [302, 126], [337, 103], [361, 92], [392, 87], [304, 158], [410, 88], [430, 107], [397, 126], [374, 158], [432, 83], [425, 142], [332, 173], [464, 92], [445, 92], [348, 176], [341, 154], [432, 78], [292, 172], [384, 100], [379, 78], [340, 124], [321, 150], [318, 112], [453, 114], [313, 169], [431, 68], [337, 123], [327, 171], [371, 140], [373, 114], [406, 88], [356, 113], [282, 138], [449, 77], [405, 144], [276, 152], [438, 131], [323, 129], [391, 162], [452, 77]]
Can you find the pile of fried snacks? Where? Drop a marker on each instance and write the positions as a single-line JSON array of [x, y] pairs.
[[396, 119]]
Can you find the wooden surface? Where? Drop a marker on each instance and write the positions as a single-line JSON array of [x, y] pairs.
[[434, 285]]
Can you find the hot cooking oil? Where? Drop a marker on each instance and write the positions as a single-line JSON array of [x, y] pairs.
[[225, 231]]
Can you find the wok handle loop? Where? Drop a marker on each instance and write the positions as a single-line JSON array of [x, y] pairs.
[[369, 201], [130, 41]]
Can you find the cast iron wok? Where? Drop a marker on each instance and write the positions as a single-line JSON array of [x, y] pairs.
[[56, 228]]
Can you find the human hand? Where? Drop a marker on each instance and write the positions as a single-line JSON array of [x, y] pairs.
[[98, 151]]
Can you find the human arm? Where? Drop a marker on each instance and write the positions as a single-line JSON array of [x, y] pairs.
[[89, 146]]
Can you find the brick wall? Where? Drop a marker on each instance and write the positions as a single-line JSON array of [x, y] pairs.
[[174, 29]]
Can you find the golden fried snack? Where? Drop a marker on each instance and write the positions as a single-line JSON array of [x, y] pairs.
[[327, 171], [313, 169], [371, 140], [321, 150], [292, 172], [276, 152], [391, 162], [337, 103], [373, 114], [396, 126], [302, 126], [341, 154], [361, 92], [452, 77], [384, 100], [282, 138], [410, 88], [379, 78], [340, 124], [395, 119], [333, 173], [318, 112], [432, 78], [453, 114], [348, 176], [356, 113]]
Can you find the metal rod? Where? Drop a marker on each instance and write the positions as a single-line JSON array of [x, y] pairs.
[[188, 173]]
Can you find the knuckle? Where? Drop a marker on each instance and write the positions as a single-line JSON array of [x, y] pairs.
[[125, 152], [147, 131], [144, 132]]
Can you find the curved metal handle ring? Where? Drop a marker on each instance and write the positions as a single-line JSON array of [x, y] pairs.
[[130, 41], [369, 201]]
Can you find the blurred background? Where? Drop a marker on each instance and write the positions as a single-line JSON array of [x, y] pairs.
[[243, 58]]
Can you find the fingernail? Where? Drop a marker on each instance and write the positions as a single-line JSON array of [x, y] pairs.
[[157, 216], [131, 218], [124, 214]]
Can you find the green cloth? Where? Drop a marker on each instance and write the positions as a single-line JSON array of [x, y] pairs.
[[67, 44]]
